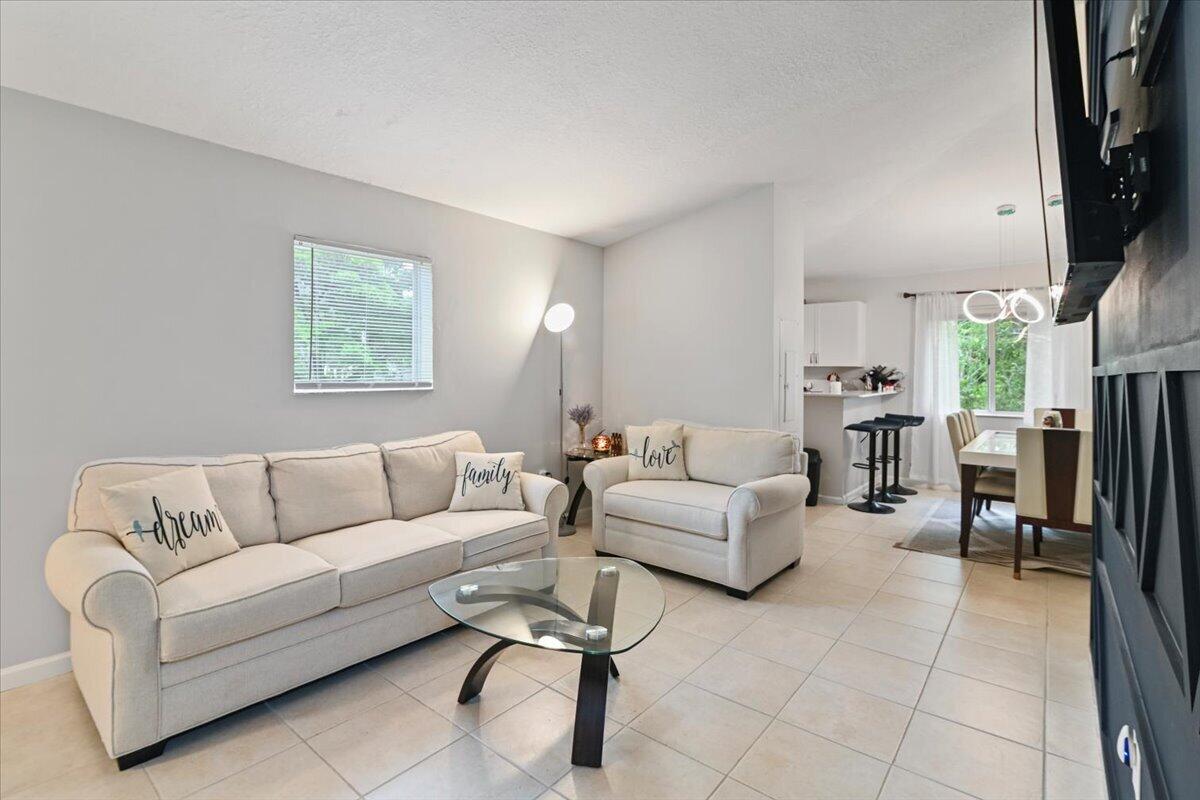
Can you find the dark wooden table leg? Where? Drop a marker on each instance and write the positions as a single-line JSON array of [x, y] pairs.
[[575, 502], [588, 747], [473, 683], [967, 474]]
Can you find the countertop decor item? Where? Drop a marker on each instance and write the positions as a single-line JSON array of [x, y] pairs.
[[602, 442], [582, 415], [557, 319]]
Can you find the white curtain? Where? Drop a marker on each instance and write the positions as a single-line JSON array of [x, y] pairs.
[[1058, 364], [935, 386]]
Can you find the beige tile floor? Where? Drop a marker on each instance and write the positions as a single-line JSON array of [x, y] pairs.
[[869, 672]]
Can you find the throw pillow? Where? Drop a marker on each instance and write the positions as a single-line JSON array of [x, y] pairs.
[[656, 452], [485, 481], [169, 522]]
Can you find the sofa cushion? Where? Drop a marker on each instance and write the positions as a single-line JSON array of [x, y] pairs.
[[384, 557], [255, 590], [480, 531], [692, 506], [238, 483], [420, 472], [733, 456], [323, 490]]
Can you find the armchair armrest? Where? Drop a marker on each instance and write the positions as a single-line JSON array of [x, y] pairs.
[[113, 604], [599, 475], [548, 497], [767, 496]]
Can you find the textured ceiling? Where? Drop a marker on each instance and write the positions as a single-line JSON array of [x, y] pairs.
[[905, 122]]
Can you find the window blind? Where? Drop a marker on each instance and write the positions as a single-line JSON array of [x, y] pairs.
[[362, 319]]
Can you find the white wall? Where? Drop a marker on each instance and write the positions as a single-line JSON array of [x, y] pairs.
[[890, 316], [788, 291], [146, 310], [689, 318]]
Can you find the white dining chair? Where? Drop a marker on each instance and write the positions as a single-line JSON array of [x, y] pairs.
[[1054, 484]]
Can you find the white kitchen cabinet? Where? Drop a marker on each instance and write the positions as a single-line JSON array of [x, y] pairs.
[[835, 334]]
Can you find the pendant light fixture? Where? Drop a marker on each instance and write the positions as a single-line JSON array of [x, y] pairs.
[[1017, 303]]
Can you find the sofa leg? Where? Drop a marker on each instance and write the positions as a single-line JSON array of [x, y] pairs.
[[141, 756], [738, 593]]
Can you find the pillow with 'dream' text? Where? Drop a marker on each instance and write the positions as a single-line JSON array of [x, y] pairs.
[[169, 522]]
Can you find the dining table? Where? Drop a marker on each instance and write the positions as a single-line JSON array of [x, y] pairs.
[[990, 448]]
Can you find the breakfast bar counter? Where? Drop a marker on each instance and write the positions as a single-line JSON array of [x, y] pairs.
[[825, 417]]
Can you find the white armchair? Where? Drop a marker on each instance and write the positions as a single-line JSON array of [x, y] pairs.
[[737, 521]]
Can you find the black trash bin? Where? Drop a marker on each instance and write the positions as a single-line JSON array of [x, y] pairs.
[[814, 475]]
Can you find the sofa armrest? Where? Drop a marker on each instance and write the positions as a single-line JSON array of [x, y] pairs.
[[86, 569], [548, 497], [113, 604], [598, 476], [767, 496]]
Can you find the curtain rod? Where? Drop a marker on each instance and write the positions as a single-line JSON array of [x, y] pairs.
[[910, 295]]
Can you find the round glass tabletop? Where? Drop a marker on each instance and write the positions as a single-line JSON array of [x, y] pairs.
[[577, 605]]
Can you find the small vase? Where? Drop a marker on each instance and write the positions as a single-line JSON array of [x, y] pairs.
[[582, 436]]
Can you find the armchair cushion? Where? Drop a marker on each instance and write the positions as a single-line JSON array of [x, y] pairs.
[[255, 590], [734, 456], [692, 506], [383, 557]]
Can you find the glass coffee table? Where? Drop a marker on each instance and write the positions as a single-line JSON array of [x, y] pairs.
[[596, 607]]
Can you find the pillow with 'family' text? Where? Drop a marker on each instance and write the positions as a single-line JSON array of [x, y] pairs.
[[169, 522], [656, 452], [484, 481]]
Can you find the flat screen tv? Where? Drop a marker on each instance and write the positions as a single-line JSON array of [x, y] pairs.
[[1103, 64]]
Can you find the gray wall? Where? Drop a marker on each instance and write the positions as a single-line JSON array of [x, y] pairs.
[[146, 310], [688, 318]]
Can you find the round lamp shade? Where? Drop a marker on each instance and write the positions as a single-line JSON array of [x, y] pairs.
[[559, 317]]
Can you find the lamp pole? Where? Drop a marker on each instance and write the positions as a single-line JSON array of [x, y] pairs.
[[556, 320]]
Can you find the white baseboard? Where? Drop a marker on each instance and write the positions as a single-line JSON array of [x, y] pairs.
[[33, 671]]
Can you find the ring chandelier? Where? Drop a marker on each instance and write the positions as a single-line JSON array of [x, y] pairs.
[[1018, 304]]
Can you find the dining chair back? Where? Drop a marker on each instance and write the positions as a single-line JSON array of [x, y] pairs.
[[958, 436], [1054, 484]]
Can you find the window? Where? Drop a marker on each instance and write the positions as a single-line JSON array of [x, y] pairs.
[[991, 365], [362, 319]]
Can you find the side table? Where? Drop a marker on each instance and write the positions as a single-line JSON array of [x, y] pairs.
[[586, 455]]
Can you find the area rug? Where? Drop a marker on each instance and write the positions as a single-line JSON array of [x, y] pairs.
[[992, 540]]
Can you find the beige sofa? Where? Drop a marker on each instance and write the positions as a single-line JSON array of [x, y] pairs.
[[737, 521], [337, 549]]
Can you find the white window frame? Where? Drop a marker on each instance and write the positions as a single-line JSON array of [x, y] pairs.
[[322, 387]]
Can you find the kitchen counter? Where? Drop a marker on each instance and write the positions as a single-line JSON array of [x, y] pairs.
[[825, 422]]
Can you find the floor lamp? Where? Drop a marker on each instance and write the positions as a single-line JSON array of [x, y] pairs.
[[558, 318]]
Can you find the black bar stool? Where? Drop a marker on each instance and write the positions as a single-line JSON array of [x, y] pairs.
[[909, 421], [889, 456], [870, 505]]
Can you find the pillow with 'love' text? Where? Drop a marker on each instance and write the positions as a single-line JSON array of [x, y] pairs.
[[484, 481], [169, 522], [655, 452]]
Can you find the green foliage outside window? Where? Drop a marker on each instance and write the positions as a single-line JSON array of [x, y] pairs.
[[974, 353]]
